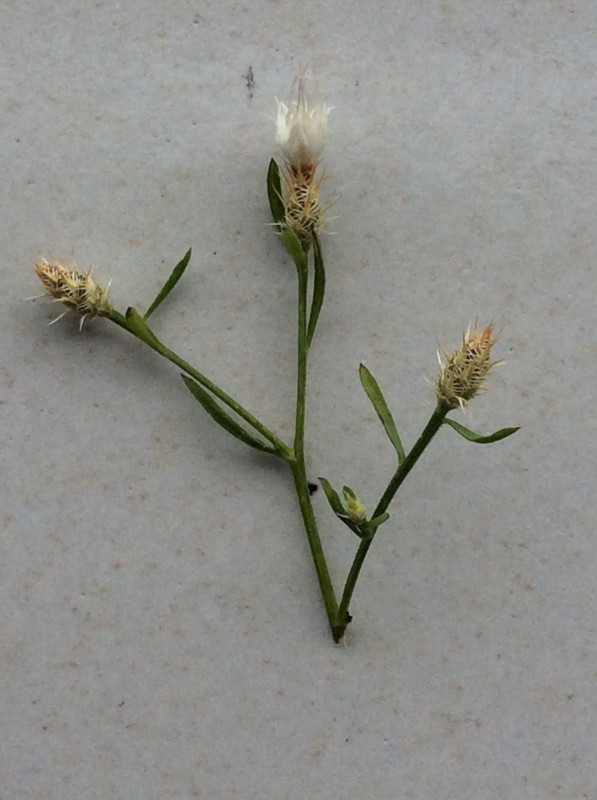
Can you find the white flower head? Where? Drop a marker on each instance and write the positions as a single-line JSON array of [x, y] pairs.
[[301, 130]]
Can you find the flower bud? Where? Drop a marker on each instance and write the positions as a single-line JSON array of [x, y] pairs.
[[300, 133], [76, 290], [463, 374], [304, 213], [355, 509]]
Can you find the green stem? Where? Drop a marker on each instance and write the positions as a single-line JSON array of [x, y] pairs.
[[432, 427], [298, 466], [152, 341]]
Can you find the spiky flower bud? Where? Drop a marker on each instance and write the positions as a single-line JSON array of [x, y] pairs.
[[76, 290], [300, 133], [304, 212], [355, 509], [462, 375]]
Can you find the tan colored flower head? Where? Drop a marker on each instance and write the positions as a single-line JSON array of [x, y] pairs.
[[462, 375], [304, 212], [76, 290]]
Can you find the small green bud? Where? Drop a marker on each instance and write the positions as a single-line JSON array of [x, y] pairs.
[[355, 509]]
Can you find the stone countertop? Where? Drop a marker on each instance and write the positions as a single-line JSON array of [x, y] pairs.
[[163, 634]]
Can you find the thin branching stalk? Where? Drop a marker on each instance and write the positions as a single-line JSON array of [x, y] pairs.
[[432, 427], [298, 465], [150, 339]]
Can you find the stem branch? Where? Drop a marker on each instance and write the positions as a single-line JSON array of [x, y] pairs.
[[152, 341], [298, 466], [432, 427]]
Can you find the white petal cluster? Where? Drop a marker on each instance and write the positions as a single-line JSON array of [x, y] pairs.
[[301, 130]]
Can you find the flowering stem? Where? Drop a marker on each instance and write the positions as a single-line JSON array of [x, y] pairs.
[[297, 464], [295, 457], [432, 427], [147, 336]]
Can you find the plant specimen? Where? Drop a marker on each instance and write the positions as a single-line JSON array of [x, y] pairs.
[[294, 193]]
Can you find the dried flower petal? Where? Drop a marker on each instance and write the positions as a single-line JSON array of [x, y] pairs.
[[300, 132]]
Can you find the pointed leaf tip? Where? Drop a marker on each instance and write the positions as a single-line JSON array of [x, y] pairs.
[[175, 276], [274, 192], [478, 438], [378, 401], [377, 521], [332, 496], [318, 288], [223, 419]]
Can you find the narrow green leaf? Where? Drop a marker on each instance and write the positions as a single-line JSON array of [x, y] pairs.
[[175, 276], [478, 438], [318, 289], [338, 506], [348, 492], [374, 394], [139, 327], [274, 192], [377, 521], [332, 496], [295, 248], [223, 419]]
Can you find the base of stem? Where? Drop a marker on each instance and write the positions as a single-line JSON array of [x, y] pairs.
[[339, 630]]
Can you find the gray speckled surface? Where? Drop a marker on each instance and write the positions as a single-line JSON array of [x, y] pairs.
[[162, 635]]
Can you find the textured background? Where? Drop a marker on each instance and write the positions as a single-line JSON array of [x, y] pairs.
[[162, 635]]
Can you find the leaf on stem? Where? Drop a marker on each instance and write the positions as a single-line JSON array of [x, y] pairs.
[[175, 276], [136, 323], [374, 394], [348, 492], [274, 192], [377, 521], [368, 529], [332, 496], [295, 249], [223, 419], [363, 529], [478, 438], [318, 288]]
